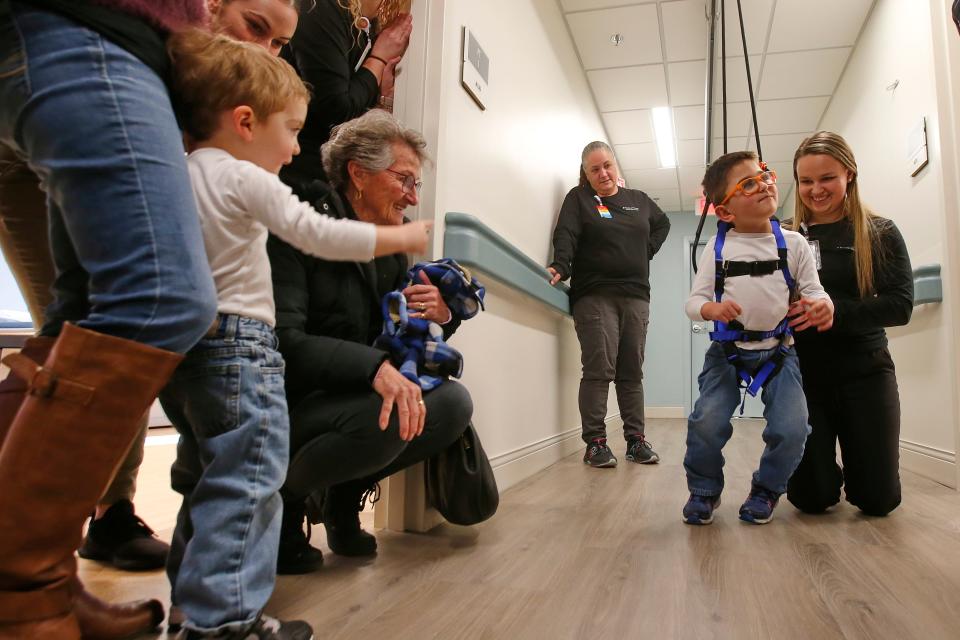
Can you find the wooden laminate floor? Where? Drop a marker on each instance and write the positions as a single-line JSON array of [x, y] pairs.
[[576, 552]]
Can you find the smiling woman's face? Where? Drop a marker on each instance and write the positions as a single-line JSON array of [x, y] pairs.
[[268, 23], [822, 185], [386, 196]]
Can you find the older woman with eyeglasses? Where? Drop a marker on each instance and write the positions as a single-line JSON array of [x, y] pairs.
[[354, 418]]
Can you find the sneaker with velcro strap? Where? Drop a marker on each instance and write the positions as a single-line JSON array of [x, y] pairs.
[[759, 505], [699, 509]]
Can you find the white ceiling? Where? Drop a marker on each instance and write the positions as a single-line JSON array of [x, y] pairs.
[[797, 51]]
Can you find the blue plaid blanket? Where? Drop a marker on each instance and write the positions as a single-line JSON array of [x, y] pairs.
[[416, 345]]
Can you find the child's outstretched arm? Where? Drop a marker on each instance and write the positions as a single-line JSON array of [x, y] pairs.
[[406, 238]]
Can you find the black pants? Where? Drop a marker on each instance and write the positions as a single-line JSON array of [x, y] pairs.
[[336, 438], [852, 399]]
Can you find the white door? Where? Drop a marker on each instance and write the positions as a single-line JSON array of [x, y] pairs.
[[699, 342]]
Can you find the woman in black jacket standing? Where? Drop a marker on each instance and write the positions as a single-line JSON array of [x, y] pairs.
[[604, 240], [848, 374], [354, 419]]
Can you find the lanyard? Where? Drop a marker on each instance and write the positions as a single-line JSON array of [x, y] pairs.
[[366, 49]]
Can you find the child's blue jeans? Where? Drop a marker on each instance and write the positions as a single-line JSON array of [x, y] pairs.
[[228, 403], [709, 426]]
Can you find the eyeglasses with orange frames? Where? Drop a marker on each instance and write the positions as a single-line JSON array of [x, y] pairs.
[[751, 185]]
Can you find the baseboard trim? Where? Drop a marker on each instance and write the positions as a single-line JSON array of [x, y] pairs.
[[515, 466], [665, 412], [930, 462]]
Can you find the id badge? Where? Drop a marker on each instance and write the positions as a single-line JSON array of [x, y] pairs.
[[815, 249], [603, 211]]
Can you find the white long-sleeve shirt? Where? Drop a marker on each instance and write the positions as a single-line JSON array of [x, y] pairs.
[[763, 299], [239, 203]]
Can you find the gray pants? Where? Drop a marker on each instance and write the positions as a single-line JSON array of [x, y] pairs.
[[612, 333]]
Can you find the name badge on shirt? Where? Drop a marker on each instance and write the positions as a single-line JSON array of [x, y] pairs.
[[631, 208], [603, 211], [815, 249]]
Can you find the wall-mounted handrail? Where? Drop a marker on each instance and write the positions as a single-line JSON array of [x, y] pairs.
[[927, 285], [478, 247]]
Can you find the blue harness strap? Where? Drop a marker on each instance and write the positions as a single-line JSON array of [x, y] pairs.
[[416, 345], [728, 334]]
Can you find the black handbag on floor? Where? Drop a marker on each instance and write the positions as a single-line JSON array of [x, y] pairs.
[[460, 481]]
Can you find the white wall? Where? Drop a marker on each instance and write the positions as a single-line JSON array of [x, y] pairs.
[[896, 46], [946, 47], [510, 166]]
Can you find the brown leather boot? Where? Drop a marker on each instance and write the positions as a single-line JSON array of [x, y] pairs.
[[98, 620], [14, 388], [72, 429], [101, 620]]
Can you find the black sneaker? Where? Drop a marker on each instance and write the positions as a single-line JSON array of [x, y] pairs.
[[265, 628], [341, 518], [122, 539], [598, 454], [295, 556], [640, 451]]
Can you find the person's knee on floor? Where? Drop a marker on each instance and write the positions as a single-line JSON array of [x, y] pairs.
[[876, 505], [812, 504]]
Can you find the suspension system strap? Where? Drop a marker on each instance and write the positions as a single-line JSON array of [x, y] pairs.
[[782, 253]]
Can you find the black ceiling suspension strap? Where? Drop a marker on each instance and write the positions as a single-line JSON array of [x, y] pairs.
[[708, 125], [723, 63], [709, 100], [753, 102]]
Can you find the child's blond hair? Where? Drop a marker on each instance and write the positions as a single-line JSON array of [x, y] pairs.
[[213, 73]]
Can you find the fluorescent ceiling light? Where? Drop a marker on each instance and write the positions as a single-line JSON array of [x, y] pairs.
[[663, 129]]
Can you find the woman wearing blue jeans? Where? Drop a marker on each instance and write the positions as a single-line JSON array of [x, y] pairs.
[[94, 122]]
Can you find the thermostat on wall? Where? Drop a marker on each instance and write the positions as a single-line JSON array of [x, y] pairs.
[[475, 70]]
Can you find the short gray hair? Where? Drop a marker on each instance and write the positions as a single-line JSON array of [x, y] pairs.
[[368, 141]]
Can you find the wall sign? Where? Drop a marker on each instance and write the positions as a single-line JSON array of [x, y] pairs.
[[475, 69], [917, 147]]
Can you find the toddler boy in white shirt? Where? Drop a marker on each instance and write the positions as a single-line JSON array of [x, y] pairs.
[[242, 109], [767, 285]]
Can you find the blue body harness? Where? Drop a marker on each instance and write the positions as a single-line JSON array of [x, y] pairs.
[[416, 345], [729, 334]]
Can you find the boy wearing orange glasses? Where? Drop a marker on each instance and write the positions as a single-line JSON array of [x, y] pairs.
[[756, 282]]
